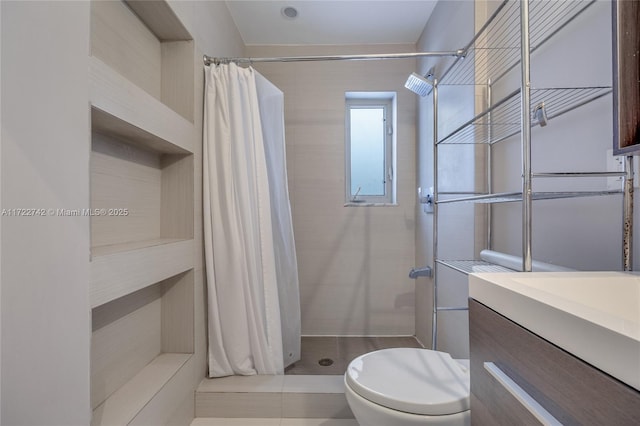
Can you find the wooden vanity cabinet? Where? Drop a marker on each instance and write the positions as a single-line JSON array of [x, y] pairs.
[[626, 77], [570, 390]]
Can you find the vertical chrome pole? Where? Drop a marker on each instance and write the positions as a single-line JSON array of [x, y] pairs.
[[627, 231], [526, 137], [434, 321], [489, 166]]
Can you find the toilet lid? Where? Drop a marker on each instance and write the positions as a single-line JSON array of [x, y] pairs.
[[417, 381]]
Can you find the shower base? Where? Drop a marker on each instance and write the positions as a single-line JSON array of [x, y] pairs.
[[329, 355]]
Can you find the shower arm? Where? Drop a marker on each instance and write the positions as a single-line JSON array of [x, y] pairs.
[[460, 53]]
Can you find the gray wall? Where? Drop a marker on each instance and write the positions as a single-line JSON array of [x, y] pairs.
[[45, 153]]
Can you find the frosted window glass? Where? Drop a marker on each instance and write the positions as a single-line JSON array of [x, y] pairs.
[[368, 151]]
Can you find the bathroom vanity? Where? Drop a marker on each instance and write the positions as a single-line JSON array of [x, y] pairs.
[[555, 348]]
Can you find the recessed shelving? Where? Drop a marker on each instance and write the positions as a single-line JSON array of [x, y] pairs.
[[125, 403], [146, 43], [144, 197], [118, 274], [160, 19], [141, 171], [124, 110], [135, 245], [129, 183], [141, 159], [141, 95], [139, 343]]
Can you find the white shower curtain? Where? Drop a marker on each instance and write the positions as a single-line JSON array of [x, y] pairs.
[[244, 251], [271, 103]]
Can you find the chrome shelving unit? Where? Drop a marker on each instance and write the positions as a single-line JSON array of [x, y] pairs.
[[512, 33], [502, 120], [496, 48], [470, 266], [511, 197]]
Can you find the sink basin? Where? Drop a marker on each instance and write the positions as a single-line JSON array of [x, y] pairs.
[[593, 315]]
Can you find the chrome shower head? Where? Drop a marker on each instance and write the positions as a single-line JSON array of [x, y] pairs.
[[418, 84]]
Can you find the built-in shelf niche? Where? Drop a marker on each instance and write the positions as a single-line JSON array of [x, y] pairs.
[[141, 197], [141, 93], [147, 44], [142, 202], [142, 141], [139, 342]]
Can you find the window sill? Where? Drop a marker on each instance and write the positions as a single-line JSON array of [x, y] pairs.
[[357, 204]]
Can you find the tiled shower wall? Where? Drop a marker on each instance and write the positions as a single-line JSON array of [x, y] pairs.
[[353, 261]]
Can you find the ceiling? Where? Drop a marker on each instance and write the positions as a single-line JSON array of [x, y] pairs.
[[331, 21]]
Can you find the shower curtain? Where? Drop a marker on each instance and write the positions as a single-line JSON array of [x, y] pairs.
[[252, 279]]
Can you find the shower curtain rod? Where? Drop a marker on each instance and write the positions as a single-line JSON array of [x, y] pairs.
[[208, 60]]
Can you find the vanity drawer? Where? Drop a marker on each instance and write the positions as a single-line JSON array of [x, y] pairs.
[[570, 390]]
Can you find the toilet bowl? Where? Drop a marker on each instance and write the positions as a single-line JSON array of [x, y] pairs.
[[407, 387]]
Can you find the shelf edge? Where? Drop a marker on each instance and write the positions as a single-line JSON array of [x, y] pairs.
[[125, 403], [142, 117], [119, 274]]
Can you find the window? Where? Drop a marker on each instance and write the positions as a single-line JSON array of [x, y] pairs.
[[369, 144]]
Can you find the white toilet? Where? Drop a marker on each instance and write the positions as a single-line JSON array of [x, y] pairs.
[[407, 387]]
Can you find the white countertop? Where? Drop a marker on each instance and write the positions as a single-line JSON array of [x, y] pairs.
[[592, 315]]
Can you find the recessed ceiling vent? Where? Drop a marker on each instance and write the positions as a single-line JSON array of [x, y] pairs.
[[289, 12]]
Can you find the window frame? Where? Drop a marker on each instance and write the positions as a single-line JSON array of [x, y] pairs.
[[360, 100]]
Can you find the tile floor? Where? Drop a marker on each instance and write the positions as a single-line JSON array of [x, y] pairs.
[[341, 350]]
